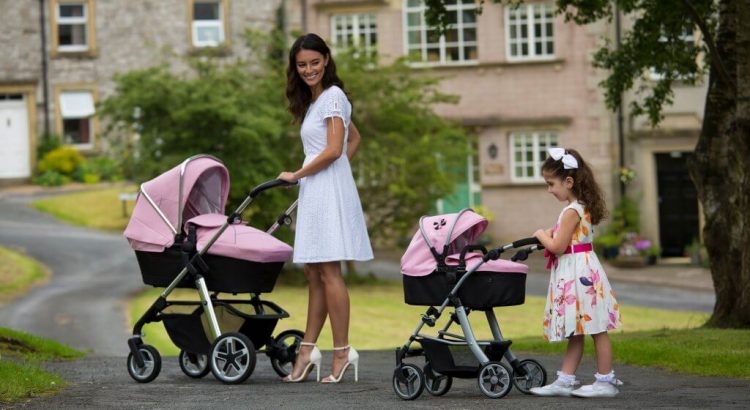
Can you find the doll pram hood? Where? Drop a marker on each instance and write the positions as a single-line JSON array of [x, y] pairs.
[[196, 191], [447, 234]]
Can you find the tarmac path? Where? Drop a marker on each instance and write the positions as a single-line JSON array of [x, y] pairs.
[[95, 273]]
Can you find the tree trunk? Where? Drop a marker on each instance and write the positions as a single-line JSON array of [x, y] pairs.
[[720, 169]]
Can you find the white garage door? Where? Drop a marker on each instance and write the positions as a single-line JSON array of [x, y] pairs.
[[14, 137]]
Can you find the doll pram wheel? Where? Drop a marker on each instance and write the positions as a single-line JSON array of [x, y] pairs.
[[232, 358], [151, 364], [435, 383], [193, 365], [495, 380], [529, 374], [408, 381], [285, 351]]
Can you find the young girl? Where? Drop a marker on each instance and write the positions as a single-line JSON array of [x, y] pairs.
[[580, 300]]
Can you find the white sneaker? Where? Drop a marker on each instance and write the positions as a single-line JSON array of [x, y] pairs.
[[597, 389], [558, 388]]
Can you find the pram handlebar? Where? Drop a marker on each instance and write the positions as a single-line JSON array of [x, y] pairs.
[[526, 241], [268, 185]]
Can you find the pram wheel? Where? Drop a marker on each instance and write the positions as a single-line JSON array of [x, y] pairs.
[[435, 383], [530, 373], [194, 365], [151, 364], [232, 358], [287, 345], [408, 381], [495, 380]]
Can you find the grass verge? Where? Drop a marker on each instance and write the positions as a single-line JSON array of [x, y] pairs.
[[380, 320], [18, 273], [103, 208], [19, 371]]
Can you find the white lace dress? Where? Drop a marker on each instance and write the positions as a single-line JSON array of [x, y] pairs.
[[330, 222]]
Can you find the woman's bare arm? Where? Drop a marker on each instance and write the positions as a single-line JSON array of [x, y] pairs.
[[354, 139], [332, 152]]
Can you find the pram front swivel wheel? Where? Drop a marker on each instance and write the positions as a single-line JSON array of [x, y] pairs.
[[495, 380], [287, 345], [408, 381], [529, 374], [232, 358], [151, 364], [194, 365], [435, 383]]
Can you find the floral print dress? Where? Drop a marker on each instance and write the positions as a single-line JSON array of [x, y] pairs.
[[580, 300]]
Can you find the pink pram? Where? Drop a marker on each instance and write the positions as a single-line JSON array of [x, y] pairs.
[[182, 238], [441, 267]]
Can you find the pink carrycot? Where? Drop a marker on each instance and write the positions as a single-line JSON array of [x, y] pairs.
[[431, 265], [242, 259]]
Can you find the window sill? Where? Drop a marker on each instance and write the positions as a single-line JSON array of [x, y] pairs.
[[76, 55], [222, 50], [490, 64]]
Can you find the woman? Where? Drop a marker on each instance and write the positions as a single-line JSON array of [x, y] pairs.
[[330, 223]]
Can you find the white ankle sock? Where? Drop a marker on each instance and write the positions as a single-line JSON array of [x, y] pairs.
[[566, 378], [607, 378]]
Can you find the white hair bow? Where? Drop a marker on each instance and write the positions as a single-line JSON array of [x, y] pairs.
[[569, 161]]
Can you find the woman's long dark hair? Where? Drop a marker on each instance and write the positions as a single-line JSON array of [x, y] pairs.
[[585, 188], [297, 91]]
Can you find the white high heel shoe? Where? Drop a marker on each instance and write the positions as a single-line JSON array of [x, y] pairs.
[[315, 358], [352, 359]]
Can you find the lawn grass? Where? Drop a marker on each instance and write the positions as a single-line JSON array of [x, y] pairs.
[[20, 374], [380, 320], [18, 273], [100, 209]]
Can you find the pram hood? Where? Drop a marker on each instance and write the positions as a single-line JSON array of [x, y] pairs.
[[455, 231], [199, 185]]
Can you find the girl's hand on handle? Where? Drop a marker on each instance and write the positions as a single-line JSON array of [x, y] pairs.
[[288, 177]]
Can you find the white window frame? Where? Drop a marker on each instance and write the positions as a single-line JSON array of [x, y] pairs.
[[199, 24], [458, 8], [89, 114], [531, 38], [688, 37], [362, 26], [550, 138], [71, 21]]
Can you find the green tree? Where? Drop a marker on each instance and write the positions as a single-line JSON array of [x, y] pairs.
[[720, 167], [236, 111]]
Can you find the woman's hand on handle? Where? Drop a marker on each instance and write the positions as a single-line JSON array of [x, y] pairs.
[[288, 177]]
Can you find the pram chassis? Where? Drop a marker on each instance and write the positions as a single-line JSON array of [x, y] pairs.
[[409, 380], [140, 352]]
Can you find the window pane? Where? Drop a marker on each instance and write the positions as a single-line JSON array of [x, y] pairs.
[[432, 36], [470, 53], [433, 54], [72, 34], [451, 36], [451, 54], [206, 11], [414, 3], [470, 34], [469, 16], [71, 10], [76, 131], [209, 34], [415, 37]]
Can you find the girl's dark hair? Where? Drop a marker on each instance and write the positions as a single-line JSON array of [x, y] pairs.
[[297, 91], [585, 188]]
